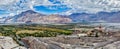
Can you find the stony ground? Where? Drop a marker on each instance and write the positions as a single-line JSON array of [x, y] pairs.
[[103, 42]]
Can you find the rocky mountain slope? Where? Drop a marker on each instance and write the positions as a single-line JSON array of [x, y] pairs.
[[113, 17], [34, 17]]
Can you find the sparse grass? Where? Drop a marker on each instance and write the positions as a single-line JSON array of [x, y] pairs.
[[28, 31], [0, 34]]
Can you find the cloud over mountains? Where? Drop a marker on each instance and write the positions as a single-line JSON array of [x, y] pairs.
[[13, 7]]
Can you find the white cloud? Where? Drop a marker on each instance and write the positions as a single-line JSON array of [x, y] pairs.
[[11, 14], [6, 2], [93, 6], [88, 6]]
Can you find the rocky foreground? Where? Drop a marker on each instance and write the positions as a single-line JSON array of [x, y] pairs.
[[66, 42], [111, 41], [72, 42], [9, 43]]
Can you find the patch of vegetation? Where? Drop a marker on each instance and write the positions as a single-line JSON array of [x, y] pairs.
[[19, 31], [38, 30], [33, 30]]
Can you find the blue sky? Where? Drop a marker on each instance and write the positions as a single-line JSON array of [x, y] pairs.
[[3, 12], [14, 7], [51, 9]]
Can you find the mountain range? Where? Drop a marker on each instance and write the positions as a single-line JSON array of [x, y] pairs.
[[34, 17], [30, 16], [112, 17]]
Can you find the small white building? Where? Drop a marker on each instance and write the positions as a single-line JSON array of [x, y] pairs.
[[80, 35]]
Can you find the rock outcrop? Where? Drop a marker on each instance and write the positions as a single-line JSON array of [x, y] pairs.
[[9, 43]]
